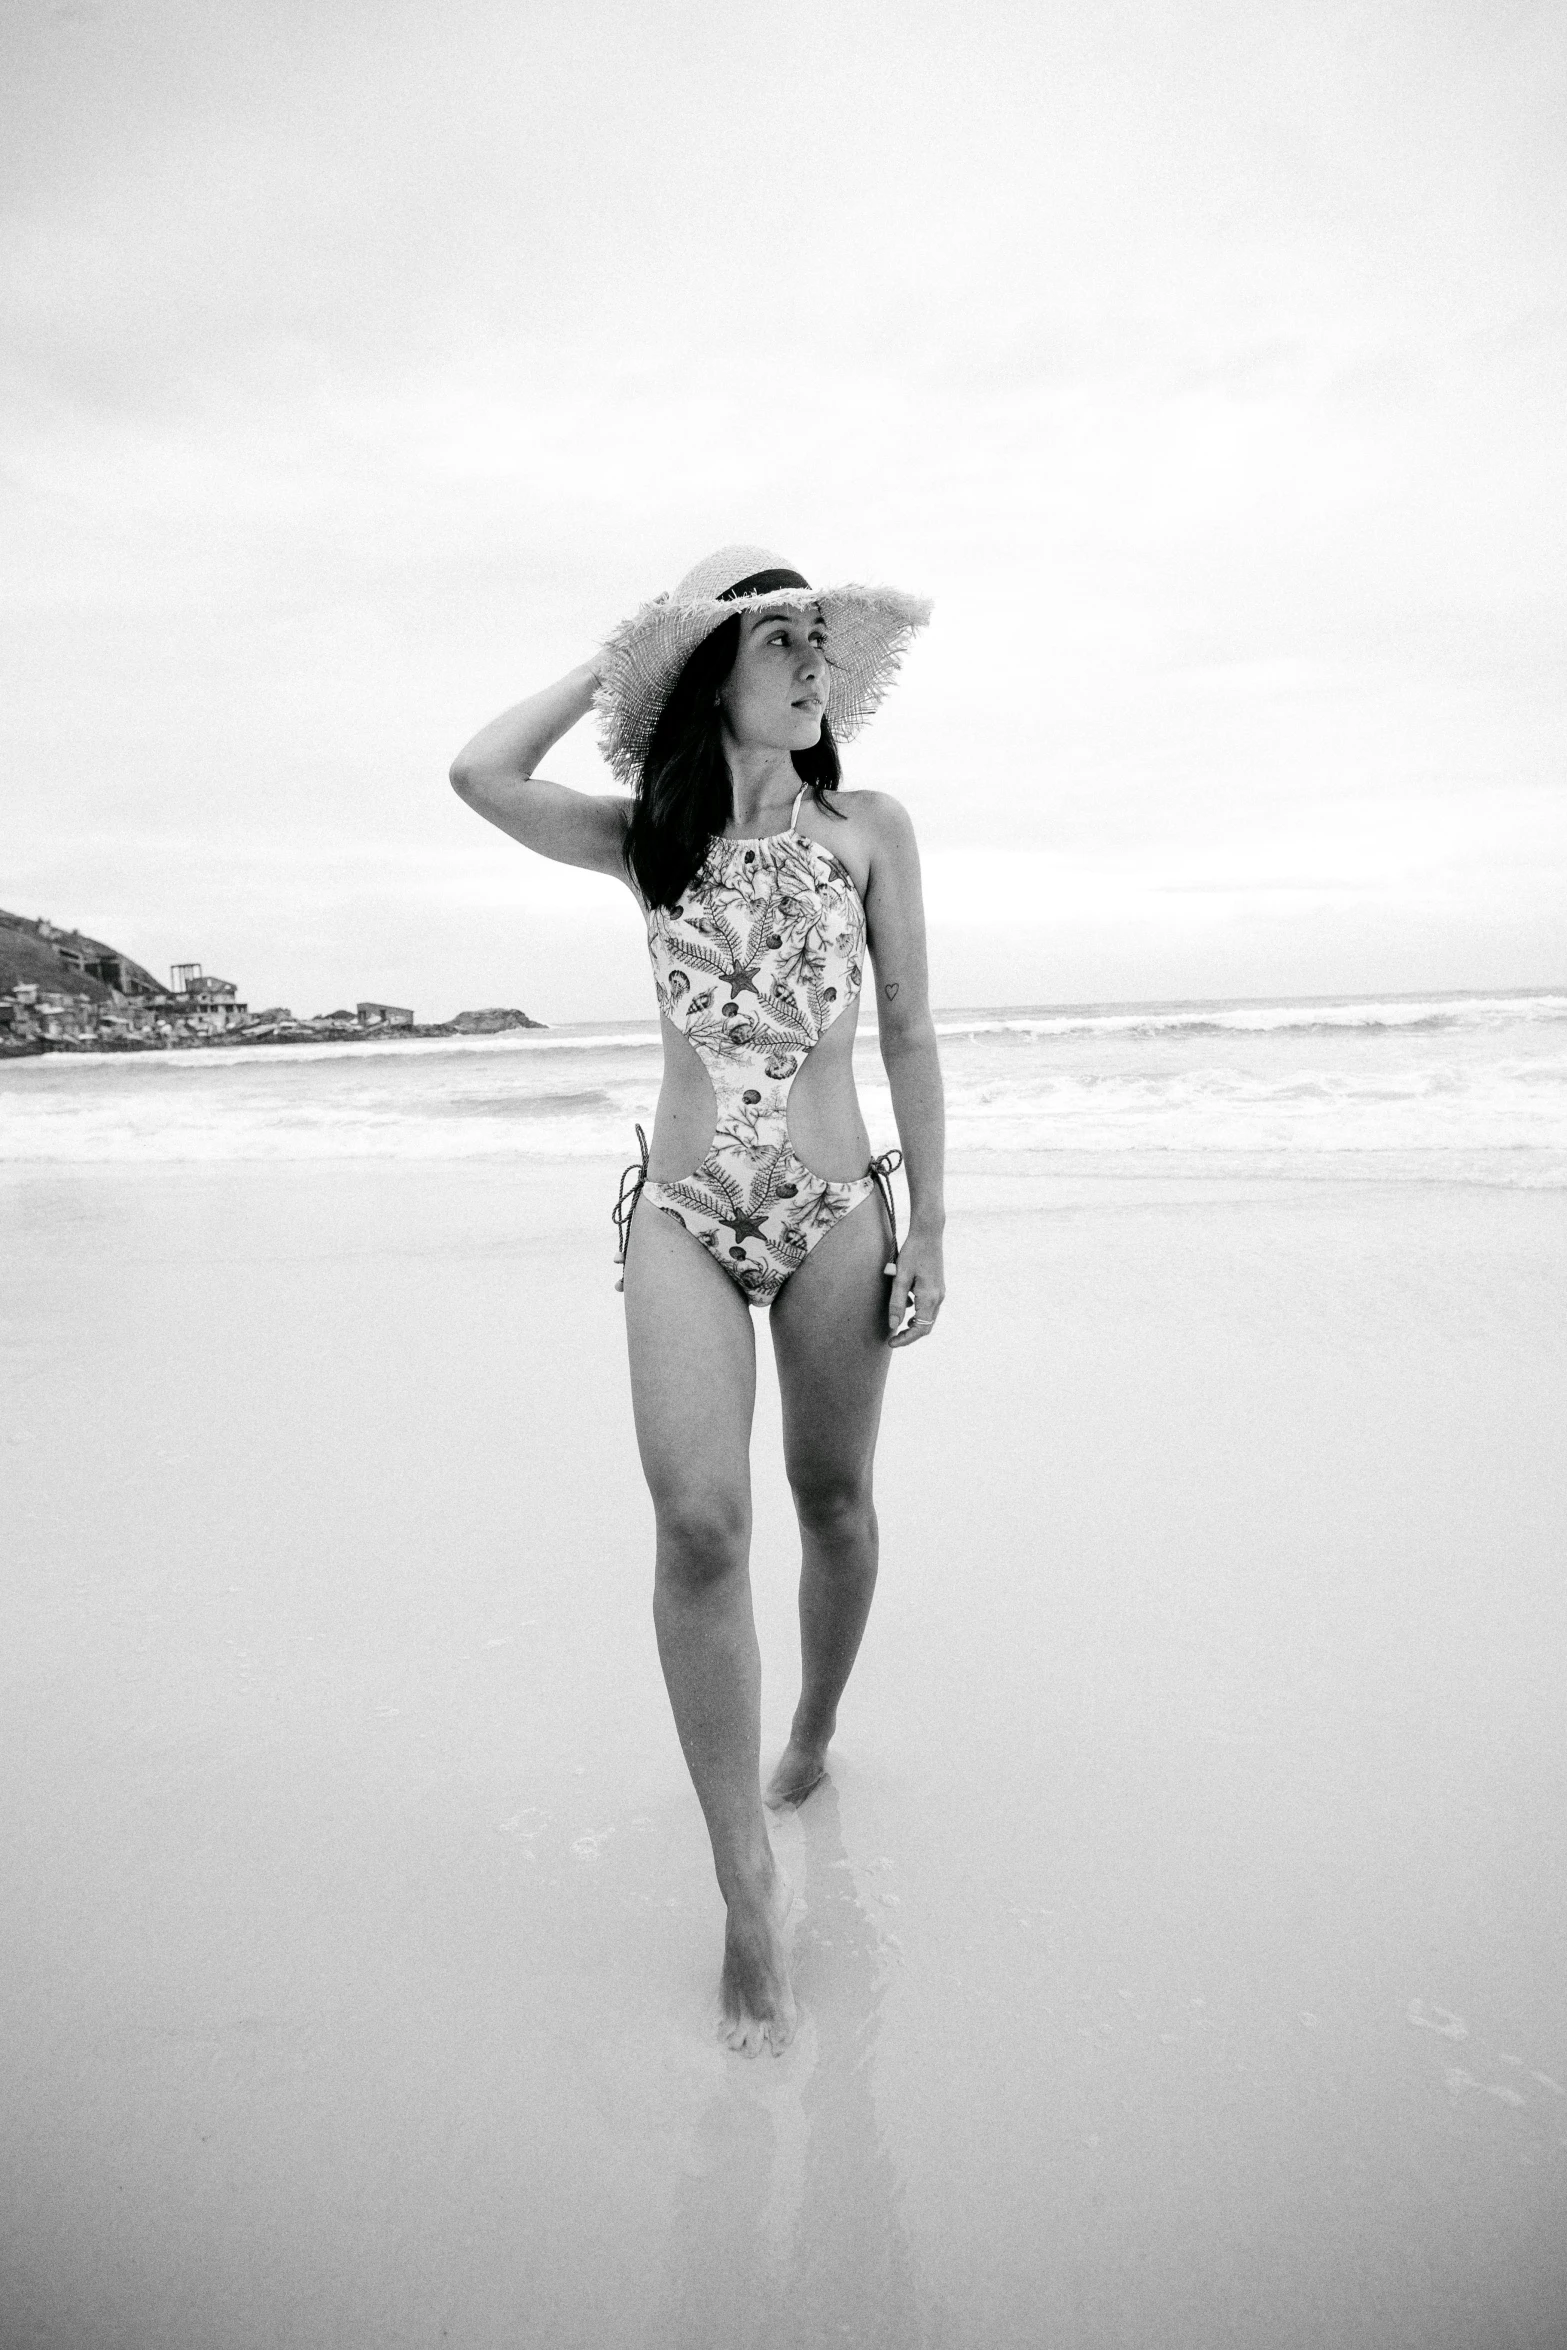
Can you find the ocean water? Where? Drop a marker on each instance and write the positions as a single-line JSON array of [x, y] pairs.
[[1469, 1088]]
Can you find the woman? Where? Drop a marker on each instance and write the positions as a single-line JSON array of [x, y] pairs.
[[761, 884]]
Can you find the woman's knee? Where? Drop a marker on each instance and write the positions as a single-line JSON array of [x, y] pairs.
[[703, 1535], [834, 1504]]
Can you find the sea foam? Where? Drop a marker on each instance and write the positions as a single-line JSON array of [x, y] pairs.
[[1473, 1085]]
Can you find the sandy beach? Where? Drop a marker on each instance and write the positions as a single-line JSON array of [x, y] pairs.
[[1179, 1943]]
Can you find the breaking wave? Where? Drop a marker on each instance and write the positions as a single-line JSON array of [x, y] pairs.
[[1406, 1082]]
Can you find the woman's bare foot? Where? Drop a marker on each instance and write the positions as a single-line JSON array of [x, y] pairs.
[[755, 1994], [800, 1768]]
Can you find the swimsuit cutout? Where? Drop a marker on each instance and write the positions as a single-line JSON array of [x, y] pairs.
[[762, 952]]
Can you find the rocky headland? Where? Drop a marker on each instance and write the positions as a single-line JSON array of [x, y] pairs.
[[62, 991]]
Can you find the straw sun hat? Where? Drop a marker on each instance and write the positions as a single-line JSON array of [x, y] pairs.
[[868, 630]]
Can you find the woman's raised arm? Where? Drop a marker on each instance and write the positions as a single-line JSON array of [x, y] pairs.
[[494, 775]]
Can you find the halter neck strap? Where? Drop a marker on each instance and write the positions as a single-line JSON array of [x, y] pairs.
[[794, 813]]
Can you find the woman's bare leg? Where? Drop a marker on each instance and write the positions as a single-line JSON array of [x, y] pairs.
[[693, 1387], [830, 1339]]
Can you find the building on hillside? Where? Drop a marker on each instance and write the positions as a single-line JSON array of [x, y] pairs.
[[385, 1016], [113, 972], [81, 989], [202, 999], [19, 1009], [65, 1018]]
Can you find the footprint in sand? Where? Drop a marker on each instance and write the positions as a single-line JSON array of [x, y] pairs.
[[1431, 2018], [1455, 2080], [528, 1825]]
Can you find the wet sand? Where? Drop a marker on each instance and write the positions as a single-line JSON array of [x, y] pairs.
[[1180, 1941]]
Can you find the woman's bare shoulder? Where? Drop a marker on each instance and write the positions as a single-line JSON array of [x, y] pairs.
[[876, 808], [864, 831], [876, 821]]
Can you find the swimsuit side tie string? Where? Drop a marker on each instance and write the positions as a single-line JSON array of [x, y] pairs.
[[625, 1207], [881, 1171]]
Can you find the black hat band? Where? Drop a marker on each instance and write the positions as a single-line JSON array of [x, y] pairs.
[[762, 583]]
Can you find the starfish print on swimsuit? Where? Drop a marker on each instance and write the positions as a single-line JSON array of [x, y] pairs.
[[739, 960]]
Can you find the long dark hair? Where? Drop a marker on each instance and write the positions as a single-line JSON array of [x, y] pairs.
[[685, 795]]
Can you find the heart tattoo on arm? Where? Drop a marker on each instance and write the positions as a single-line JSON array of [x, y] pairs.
[[891, 989]]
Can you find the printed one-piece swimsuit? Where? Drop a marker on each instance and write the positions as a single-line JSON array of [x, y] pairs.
[[762, 952]]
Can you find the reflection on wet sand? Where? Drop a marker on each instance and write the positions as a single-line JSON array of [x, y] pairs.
[[787, 2227]]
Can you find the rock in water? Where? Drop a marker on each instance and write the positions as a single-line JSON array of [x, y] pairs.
[[491, 1021]]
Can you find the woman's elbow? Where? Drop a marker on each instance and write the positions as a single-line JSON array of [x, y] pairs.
[[904, 1032]]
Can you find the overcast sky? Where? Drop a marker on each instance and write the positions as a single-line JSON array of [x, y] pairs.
[[366, 362]]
